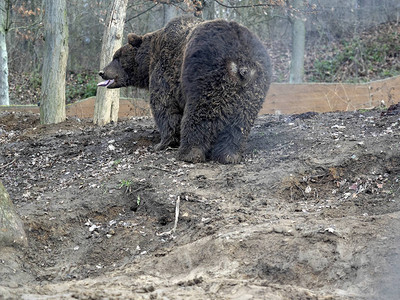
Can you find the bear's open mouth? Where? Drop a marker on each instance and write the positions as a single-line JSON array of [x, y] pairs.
[[106, 82]]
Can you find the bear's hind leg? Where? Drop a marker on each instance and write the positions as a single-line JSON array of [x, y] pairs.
[[196, 137], [228, 147], [192, 154]]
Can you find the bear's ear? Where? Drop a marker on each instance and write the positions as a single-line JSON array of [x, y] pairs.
[[134, 40]]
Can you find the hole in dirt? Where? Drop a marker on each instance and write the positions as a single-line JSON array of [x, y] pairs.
[[95, 240]]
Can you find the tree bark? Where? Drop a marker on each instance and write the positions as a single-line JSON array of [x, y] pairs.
[[52, 106], [170, 12], [298, 43], [4, 95], [11, 228], [209, 10], [107, 100]]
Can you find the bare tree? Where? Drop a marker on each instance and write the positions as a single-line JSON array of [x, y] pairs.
[[52, 108], [4, 24], [170, 12], [298, 43], [209, 10], [107, 100]]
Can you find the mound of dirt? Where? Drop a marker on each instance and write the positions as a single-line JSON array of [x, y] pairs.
[[311, 213]]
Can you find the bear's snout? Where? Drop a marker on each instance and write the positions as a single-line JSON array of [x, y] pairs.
[[101, 74]]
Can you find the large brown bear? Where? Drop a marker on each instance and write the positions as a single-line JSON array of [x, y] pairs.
[[207, 83]]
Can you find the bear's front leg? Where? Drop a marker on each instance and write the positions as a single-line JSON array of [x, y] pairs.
[[165, 106], [168, 124]]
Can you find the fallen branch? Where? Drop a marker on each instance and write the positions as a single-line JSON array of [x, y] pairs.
[[156, 168], [7, 164], [172, 231]]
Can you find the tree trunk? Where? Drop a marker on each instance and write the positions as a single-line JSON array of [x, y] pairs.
[[170, 12], [4, 96], [298, 43], [209, 10], [107, 100], [52, 106], [11, 228]]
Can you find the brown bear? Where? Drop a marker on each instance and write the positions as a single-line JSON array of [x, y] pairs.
[[207, 82]]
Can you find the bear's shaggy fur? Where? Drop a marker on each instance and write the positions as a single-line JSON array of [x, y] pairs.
[[207, 83]]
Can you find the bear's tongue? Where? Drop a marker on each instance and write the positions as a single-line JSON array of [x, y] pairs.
[[106, 82]]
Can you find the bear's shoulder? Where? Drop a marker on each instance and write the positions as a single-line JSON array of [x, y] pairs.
[[170, 40], [179, 27]]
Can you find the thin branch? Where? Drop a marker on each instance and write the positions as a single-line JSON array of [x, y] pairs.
[[168, 1], [8, 22], [143, 12], [156, 168], [247, 6], [8, 164], [30, 26], [178, 201], [172, 231]]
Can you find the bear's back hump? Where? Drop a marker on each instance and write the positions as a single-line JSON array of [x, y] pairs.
[[220, 46], [172, 37]]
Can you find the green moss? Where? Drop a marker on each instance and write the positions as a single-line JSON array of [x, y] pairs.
[[85, 86], [359, 60]]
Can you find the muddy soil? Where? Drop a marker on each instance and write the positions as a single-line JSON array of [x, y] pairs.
[[311, 213]]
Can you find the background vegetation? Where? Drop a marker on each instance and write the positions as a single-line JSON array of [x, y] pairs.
[[346, 40]]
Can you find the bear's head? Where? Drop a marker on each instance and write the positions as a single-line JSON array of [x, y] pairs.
[[128, 66]]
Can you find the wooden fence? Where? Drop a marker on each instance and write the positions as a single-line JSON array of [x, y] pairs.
[[323, 97], [282, 98]]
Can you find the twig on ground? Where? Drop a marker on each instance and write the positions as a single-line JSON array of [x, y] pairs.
[[7, 164], [156, 168], [172, 231]]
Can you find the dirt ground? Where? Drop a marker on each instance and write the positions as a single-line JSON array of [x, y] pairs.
[[311, 213]]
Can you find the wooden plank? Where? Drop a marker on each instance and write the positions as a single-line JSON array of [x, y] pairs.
[[127, 108], [84, 109], [282, 98], [285, 98]]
